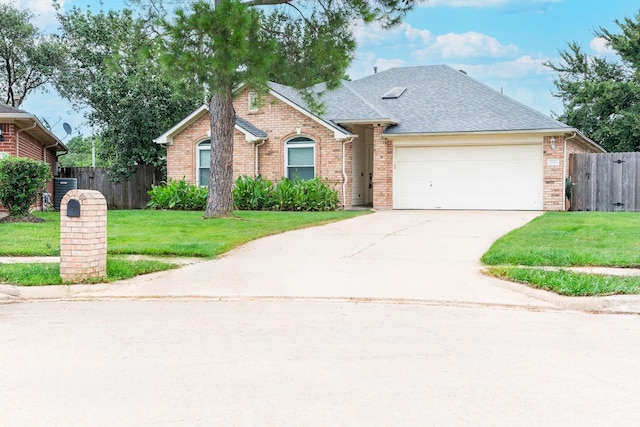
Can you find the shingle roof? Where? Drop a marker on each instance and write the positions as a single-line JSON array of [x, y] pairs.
[[294, 96], [438, 99], [251, 129], [4, 108]]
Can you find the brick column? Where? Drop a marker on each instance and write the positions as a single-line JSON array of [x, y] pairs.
[[382, 170], [553, 168], [83, 238]]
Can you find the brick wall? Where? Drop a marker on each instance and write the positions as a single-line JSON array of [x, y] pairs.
[[553, 174], [556, 169], [8, 145], [382, 170], [280, 122]]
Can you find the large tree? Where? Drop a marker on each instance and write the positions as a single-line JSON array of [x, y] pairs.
[[226, 43], [111, 76], [28, 58], [601, 96]]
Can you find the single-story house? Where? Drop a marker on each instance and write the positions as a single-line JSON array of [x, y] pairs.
[[426, 137], [23, 135]]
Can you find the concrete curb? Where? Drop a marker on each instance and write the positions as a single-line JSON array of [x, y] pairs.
[[613, 304]]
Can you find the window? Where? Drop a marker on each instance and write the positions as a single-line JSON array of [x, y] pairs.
[[300, 155], [203, 158], [253, 102]]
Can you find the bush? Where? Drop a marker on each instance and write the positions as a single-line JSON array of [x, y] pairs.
[[22, 181], [253, 194], [297, 195], [178, 195]]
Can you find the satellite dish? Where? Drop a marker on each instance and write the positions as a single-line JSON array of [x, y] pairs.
[[67, 128]]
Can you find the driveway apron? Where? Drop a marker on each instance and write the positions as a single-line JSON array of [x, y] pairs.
[[388, 255]]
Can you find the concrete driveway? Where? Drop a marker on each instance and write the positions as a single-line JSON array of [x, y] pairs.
[[430, 256]]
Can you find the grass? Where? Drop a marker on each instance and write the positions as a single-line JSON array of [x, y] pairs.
[[39, 274], [567, 239], [569, 283], [146, 232]]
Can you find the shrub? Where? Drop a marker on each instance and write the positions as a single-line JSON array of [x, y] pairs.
[[288, 195], [253, 194], [178, 195], [22, 181]]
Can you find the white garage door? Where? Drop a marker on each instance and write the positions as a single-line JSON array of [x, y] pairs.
[[505, 177]]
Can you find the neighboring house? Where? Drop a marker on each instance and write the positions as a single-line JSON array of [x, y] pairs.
[[24, 136], [427, 137]]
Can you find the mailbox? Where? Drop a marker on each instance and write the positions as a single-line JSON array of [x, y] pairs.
[[73, 208]]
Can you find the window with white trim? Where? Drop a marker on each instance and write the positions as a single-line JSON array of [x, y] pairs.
[[300, 158], [253, 102], [203, 160]]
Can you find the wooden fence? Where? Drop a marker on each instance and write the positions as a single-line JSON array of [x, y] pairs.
[[608, 182], [130, 194]]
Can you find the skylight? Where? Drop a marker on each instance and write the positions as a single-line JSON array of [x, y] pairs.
[[394, 92]]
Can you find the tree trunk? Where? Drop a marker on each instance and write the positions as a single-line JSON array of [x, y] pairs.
[[222, 117]]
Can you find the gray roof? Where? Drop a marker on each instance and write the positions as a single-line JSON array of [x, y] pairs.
[[438, 99], [4, 108], [294, 96], [251, 129]]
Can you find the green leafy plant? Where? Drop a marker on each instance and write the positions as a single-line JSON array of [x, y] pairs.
[[178, 195], [287, 195], [253, 194], [21, 182]]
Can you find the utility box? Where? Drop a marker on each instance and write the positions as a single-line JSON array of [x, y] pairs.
[[83, 235], [60, 187]]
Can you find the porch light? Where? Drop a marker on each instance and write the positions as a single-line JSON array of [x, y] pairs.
[[552, 141], [1, 134]]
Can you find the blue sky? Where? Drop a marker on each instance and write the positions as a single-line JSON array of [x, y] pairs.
[[502, 43]]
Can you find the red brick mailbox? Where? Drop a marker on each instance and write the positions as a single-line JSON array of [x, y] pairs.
[[83, 235]]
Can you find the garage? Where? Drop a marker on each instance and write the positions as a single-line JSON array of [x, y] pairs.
[[491, 177]]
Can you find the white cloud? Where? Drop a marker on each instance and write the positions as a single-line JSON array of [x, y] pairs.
[[383, 64], [518, 68], [45, 14], [466, 45], [376, 35], [367, 33], [364, 64], [414, 34], [37, 6], [601, 47]]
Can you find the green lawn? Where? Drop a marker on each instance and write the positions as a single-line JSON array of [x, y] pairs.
[[565, 239], [147, 232]]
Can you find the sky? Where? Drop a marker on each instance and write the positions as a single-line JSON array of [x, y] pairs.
[[502, 43]]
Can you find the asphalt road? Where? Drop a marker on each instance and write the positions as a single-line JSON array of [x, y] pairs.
[[297, 362]]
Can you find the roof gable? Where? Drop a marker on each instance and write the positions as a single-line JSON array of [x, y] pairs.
[[251, 132]]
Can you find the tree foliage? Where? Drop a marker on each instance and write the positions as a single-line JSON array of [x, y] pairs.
[[601, 96], [21, 182], [28, 58], [80, 153], [111, 75], [228, 43]]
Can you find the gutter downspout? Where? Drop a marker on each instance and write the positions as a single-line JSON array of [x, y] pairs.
[[344, 171], [565, 168], [33, 125], [256, 157]]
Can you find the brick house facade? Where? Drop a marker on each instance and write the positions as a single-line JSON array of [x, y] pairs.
[[24, 136], [360, 142]]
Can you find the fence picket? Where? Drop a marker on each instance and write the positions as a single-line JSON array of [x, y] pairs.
[[131, 194], [607, 182]]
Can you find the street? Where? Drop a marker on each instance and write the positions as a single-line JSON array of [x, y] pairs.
[[313, 362]]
